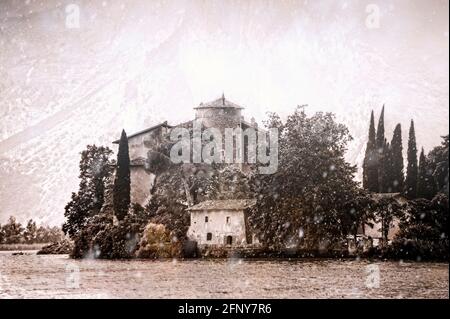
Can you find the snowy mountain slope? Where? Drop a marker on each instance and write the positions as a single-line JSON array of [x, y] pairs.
[[136, 63]]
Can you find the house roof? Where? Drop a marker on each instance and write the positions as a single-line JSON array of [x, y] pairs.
[[397, 196], [227, 204], [146, 131], [219, 103], [385, 195]]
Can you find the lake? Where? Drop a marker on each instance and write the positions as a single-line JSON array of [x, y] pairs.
[[57, 276]]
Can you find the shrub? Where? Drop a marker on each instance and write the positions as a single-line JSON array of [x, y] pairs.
[[157, 242]]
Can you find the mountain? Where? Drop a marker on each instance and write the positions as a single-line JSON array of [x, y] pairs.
[[132, 64]]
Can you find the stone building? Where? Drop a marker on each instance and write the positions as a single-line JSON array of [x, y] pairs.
[[221, 222], [220, 113]]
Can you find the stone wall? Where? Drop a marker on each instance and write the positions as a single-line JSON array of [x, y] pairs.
[[220, 118], [218, 226], [141, 183]]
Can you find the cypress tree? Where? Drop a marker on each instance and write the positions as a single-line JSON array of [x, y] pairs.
[[397, 176], [425, 181], [386, 170], [381, 147], [370, 165], [411, 170], [121, 190], [380, 132]]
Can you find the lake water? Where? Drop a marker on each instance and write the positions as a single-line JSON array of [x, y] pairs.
[[57, 276]]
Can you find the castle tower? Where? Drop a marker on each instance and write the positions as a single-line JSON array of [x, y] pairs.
[[219, 113]]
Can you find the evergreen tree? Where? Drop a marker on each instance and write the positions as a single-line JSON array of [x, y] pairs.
[[385, 170], [381, 147], [370, 167], [397, 176], [438, 163], [425, 181], [411, 170], [121, 191], [380, 132]]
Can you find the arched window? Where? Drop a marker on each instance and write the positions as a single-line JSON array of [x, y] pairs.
[[208, 236], [206, 219]]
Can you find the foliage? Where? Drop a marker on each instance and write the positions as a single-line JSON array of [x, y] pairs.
[[304, 202], [426, 187], [386, 210], [411, 170], [104, 238], [121, 191], [396, 174], [14, 233], [370, 165], [158, 242], [438, 164], [64, 246], [95, 169], [423, 231], [361, 209]]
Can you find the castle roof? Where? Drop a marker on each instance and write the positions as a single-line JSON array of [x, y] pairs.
[[219, 103], [227, 204], [146, 130]]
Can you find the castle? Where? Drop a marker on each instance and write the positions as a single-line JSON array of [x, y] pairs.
[[212, 222], [220, 113]]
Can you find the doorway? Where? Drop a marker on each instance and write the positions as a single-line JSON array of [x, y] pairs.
[[229, 240]]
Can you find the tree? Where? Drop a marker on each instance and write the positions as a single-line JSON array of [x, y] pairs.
[[12, 231], [397, 175], [385, 170], [370, 167], [361, 209], [304, 202], [30, 233], [381, 149], [424, 230], [411, 171], [425, 181], [95, 169], [439, 164], [121, 193], [380, 140], [2, 234], [387, 209]]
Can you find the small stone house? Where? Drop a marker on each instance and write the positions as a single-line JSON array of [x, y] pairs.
[[221, 223]]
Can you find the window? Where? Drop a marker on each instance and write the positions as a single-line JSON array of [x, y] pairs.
[[206, 219], [229, 240], [228, 219], [208, 236]]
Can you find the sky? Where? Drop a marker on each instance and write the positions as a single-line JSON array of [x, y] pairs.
[[77, 72]]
